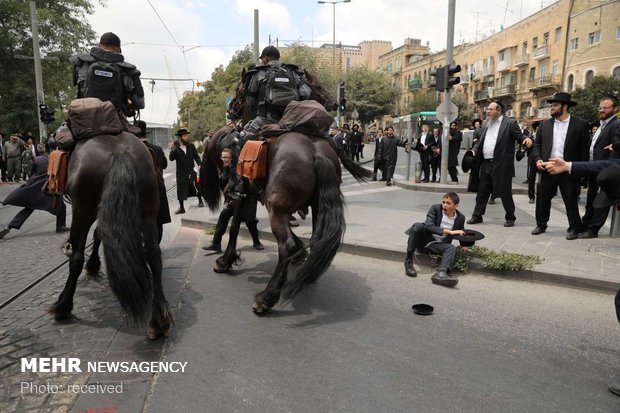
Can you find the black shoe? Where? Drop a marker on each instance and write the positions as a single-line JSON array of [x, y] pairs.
[[614, 388], [4, 231], [441, 277], [532, 201], [588, 234], [180, 211], [200, 204], [389, 182], [425, 181], [60, 230], [374, 178], [259, 246], [293, 222], [217, 247], [509, 224], [492, 201], [456, 181], [475, 220], [539, 230], [525, 182], [434, 180], [383, 179], [571, 235], [409, 270]]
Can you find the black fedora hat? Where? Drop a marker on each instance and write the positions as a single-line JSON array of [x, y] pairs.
[[469, 238], [182, 132], [609, 182], [562, 97], [520, 154], [142, 125], [422, 309], [468, 161]]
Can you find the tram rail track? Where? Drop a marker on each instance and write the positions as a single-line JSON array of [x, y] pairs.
[[56, 268]]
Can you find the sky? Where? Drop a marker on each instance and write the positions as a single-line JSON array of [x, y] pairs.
[[178, 39]]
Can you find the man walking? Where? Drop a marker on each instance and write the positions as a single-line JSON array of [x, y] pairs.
[[13, 149], [184, 152], [563, 137], [389, 153], [496, 153], [424, 146]]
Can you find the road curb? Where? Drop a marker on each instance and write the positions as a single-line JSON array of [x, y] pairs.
[[475, 264]]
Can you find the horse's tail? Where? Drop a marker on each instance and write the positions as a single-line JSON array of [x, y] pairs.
[[119, 230], [358, 172], [328, 229], [209, 182]]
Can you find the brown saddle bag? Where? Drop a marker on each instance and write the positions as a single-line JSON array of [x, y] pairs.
[[57, 169], [252, 162], [90, 117]]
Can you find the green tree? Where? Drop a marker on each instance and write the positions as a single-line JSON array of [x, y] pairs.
[[369, 92], [63, 31], [423, 100], [588, 97]]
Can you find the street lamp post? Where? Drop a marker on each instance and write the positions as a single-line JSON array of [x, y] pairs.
[[333, 3]]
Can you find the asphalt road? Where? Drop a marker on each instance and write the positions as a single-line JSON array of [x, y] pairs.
[[352, 344]]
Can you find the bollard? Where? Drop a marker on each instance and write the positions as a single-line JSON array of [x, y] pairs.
[[614, 230], [418, 172]]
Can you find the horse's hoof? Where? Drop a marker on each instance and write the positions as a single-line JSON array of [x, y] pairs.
[[221, 270], [67, 249], [260, 309]]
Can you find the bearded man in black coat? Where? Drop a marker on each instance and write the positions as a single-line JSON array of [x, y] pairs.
[[388, 152], [184, 152]]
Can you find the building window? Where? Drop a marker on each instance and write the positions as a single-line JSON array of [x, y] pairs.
[[569, 83], [618, 33], [524, 51], [574, 43], [555, 66], [534, 43], [532, 73], [558, 34], [589, 77], [594, 38], [616, 73], [546, 39], [500, 56]]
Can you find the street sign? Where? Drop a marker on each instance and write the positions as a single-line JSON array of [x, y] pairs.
[[447, 109]]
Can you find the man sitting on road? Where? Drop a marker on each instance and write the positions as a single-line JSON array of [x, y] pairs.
[[443, 221]]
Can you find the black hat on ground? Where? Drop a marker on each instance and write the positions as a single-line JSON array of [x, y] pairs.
[[422, 309], [111, 39], [270, 51], [469, 238], [562, 97], [468, 161], [182, 132], [609, 182]]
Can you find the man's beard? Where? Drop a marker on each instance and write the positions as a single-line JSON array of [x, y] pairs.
[[491, 121]]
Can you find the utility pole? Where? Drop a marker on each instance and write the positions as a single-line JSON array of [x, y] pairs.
[[256, 35], [37, 68], [448, 96]]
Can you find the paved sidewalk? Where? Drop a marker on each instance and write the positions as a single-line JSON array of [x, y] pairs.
[[377, 216]]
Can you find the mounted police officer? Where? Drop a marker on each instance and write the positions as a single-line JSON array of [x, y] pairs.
[[103, 73], [272, 86]]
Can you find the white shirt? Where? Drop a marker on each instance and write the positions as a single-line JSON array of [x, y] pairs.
[[446, 223], [490, 139], [184, 148], [560, 127], [423, 138], [596, 136]]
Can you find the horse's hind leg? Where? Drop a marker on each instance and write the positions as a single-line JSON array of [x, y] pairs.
[[161, 318], [79, 231], [288, 244], [225, 262], [93, 265]]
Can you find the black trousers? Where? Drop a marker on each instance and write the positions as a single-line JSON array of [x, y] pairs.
[[547, 188], [421, 238], [425, 159], [485, 189], [532, 172], [594, 218], [454, 173], [435, 161], [21, 217], [248, 215]]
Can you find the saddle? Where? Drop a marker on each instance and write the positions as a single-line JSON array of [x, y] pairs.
[[252, 163], [57, 172]]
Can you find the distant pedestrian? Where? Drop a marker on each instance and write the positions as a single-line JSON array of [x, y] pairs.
[[388, 152], [2, 161], [496, 153], [434, 236], [455, 138], [31, 196], [565, 137], [423, 145], [435, 154], [474, 172], [184, 153], [13, 149], [356, 140], [378, 163]]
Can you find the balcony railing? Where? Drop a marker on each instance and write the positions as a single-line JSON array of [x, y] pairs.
[[541, 52], [504, 66], [543, 82], [481, 95], [504, 90], [488, 71], [522, 60]]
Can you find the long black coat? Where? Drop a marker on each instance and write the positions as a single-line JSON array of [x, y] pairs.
[[454, 146], [576, 145], [32, 194], [503, 168], [474, 172], [186, 176]]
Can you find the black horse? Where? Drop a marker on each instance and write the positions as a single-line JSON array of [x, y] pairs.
[[112, 179], [303, 171]]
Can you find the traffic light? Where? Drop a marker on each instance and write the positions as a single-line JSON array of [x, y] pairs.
[[342, 105], [452, 80], [341, 89], [47, 115], [43, 112], [439, 81]]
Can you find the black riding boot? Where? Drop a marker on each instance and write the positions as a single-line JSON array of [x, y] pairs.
[[254, 233]]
